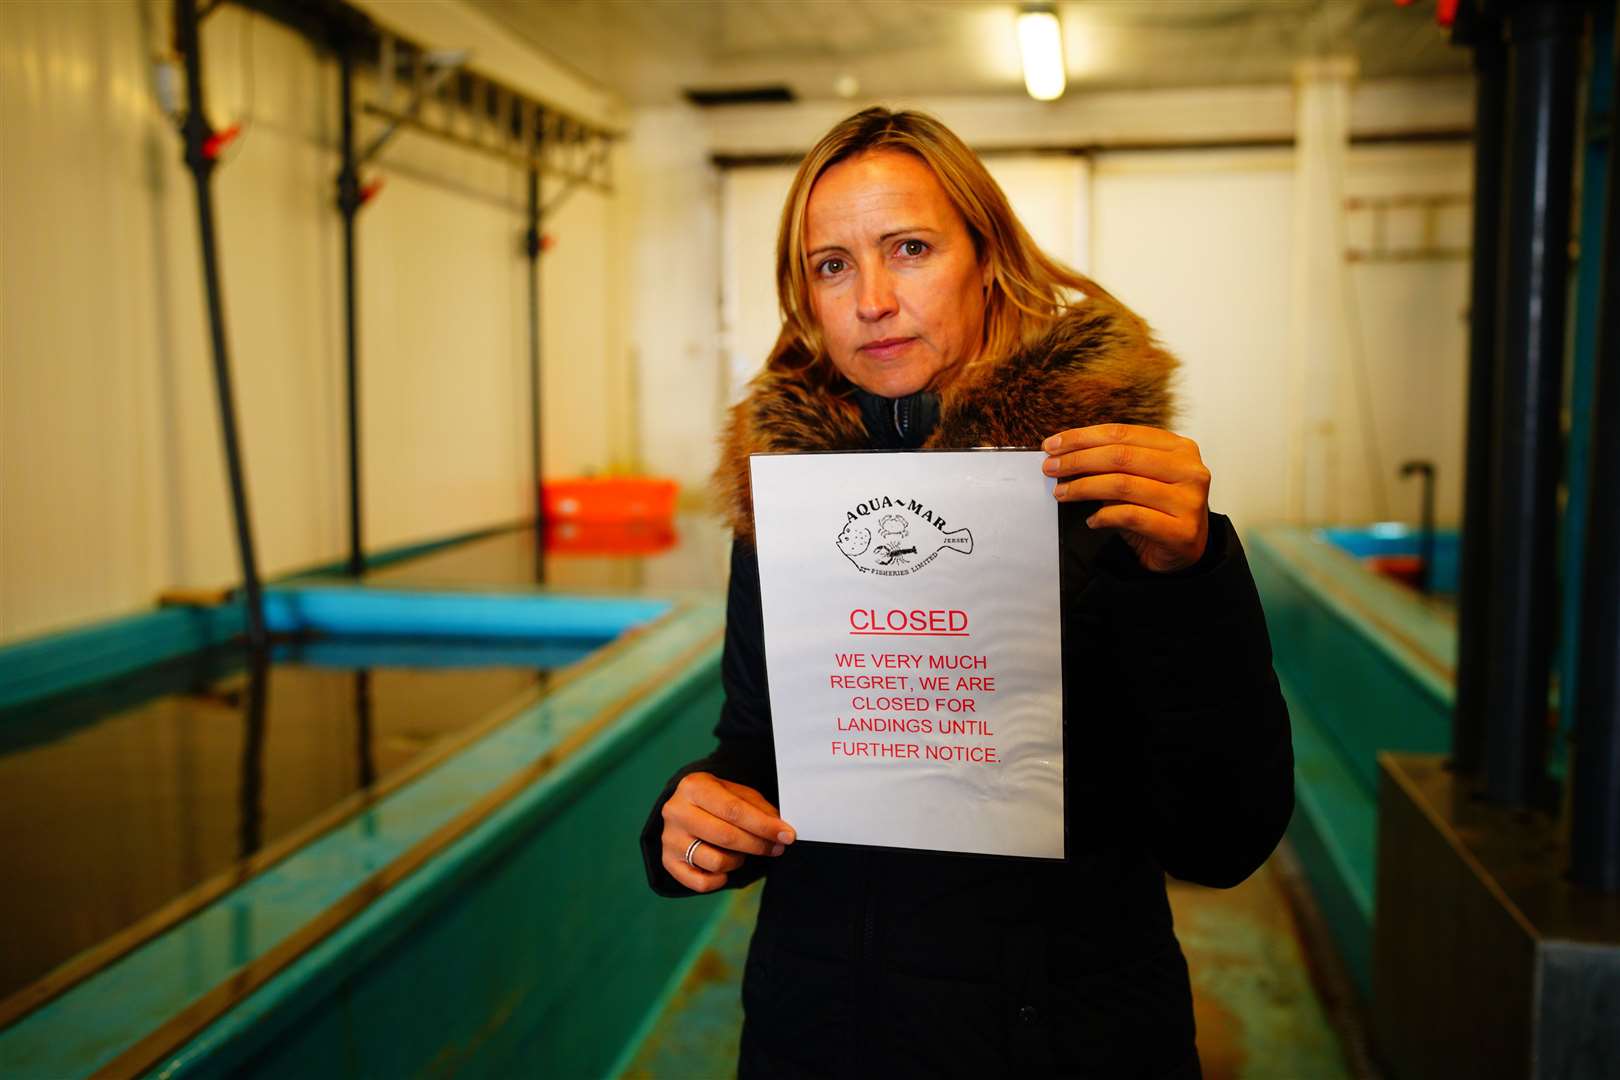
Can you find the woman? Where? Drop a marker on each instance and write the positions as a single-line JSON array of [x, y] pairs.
[[917, 312]]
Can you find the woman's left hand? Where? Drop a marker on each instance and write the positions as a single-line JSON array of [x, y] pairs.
[[1152, 483]]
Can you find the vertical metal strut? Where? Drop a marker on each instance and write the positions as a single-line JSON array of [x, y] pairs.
[[1543, 60], [533, 245], [348, 201], [1595, 834], [1474, 590]]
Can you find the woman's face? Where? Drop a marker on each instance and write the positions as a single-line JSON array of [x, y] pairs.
[[894, 281]]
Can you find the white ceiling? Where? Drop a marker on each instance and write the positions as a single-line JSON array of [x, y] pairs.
[[648, 51]]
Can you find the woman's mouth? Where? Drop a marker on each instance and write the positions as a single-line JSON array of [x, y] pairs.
[[886, 348]]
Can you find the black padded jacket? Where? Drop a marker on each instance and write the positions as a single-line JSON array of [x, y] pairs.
[[872, 962]]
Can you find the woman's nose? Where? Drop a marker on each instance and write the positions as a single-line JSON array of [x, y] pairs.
[[876, 299]]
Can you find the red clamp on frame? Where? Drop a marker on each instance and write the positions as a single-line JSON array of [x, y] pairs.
[[370, 189], [219, 140], [1445, 11]]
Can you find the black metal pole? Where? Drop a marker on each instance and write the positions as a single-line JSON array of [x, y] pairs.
[[1595, 798], [1473, 599], [348, 201], [1543, 61], [532, 245], [1426, 525], [199, 158]]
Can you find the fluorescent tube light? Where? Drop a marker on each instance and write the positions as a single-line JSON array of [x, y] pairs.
[[1040, 41]]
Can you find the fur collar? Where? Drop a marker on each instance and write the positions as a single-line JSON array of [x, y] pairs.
[[1098, 364]]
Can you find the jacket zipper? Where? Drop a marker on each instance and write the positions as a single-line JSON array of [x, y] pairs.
[[867, 928], [863, 947], [864, 956]]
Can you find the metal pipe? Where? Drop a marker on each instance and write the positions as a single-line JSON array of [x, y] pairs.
[[533, 245], [1425, 579], [348, 202], [1543, 59], [1595, 798], [1473, 599], [198, 135]]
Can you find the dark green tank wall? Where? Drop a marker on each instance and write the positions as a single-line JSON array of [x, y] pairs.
[[1365, 665], [545, 960]]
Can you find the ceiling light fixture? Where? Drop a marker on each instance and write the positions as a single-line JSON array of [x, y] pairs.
[[1040, 41]]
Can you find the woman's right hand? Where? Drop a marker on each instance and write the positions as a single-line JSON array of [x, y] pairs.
[[732, 820]]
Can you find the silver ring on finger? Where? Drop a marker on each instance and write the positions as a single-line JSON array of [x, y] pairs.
[[690, 850]]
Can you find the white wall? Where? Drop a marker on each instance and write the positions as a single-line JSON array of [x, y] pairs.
[[1197, 242], [751, 210], [1052, 196], [1412, 343], [672, 257], [1200, 244], [112, 485]]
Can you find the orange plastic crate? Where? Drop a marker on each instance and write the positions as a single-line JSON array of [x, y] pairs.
[[611, 498]]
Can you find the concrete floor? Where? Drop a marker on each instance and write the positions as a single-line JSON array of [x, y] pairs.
[[1259, 1013]]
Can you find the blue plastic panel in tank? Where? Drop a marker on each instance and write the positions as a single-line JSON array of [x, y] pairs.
[[348, 611], [54, 663], [1394, 538], [354, 654]]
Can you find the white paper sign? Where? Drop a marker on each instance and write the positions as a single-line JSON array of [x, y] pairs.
[[912, 642]]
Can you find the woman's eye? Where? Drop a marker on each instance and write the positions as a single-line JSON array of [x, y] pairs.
[[831, 266], [912, 247]]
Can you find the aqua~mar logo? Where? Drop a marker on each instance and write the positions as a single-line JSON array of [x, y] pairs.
[[892, 536]]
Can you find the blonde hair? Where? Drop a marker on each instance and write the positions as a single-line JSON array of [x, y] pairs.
[[1028, 289]]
